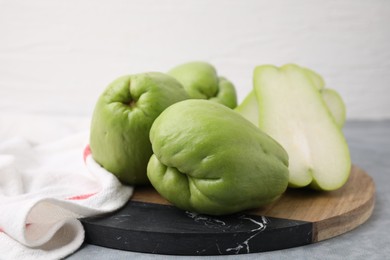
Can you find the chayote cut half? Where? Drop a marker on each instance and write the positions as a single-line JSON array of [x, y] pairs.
[[249, 108], [201, 81], [211, 160], [294, 112]]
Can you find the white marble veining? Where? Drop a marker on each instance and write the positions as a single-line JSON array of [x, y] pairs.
[[206, 220], [214, 222], [261, 226]]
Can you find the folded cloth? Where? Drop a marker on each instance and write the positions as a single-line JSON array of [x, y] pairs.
[[44, 189]]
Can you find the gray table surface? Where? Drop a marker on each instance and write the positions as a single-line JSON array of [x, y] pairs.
[[369, 142]]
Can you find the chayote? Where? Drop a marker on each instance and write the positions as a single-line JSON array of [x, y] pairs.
[[122, 118], [201, 81], [209, 159]]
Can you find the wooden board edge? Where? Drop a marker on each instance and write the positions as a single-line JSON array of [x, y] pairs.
[[341, 224]]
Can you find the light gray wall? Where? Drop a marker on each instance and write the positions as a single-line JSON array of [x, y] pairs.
[[57, 56]]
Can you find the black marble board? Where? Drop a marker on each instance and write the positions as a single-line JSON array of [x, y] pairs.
[[150, 224], [164, 229]]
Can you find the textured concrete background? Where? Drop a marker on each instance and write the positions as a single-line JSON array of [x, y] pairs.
[[57, 56]]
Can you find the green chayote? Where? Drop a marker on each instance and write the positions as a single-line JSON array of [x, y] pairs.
[[201, 81], [122, 118], [209, 159]]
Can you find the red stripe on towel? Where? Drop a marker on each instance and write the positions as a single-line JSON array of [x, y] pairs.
[[87, 152], [81, 197], [2, 230]]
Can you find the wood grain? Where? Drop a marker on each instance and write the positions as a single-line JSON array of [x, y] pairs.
[[332, 213]]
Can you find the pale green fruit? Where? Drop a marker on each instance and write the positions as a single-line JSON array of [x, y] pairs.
[[249, 108], [122, 118], [292, 111], [209, 159], [333, 101], [315, 78], [335, 104], [201, 81]]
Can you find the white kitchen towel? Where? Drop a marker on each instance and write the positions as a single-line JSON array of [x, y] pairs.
[[44, 189]]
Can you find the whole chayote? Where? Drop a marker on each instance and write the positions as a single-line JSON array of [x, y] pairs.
[[122, 118], [209, 159], [201, 81]]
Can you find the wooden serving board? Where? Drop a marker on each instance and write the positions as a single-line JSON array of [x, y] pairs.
[[148, 223]]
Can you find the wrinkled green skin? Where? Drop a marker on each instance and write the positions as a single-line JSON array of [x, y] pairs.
[[121, 121], [201, 81], [209, 159]]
